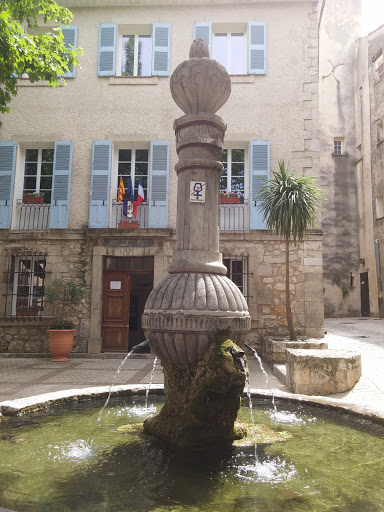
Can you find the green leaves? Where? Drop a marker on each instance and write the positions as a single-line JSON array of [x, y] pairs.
[[41, 55], [290, 204]]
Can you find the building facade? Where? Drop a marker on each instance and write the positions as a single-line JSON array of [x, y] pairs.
[[114, 119], [351, 160]]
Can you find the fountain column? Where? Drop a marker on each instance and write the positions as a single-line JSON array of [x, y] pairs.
[[196, 299]]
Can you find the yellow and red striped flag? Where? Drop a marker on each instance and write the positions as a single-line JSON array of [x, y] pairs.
[[121, 192]]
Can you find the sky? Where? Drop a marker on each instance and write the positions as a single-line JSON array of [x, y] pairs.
[[373, 15]]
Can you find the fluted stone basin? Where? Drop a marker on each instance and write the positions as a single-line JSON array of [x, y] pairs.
[[185, 309]]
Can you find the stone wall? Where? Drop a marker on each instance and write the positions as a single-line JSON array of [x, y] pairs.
[[78, 254]]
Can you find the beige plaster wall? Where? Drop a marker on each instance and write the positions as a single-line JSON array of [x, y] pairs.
[[281, 106], [364, 171], [339, 28]]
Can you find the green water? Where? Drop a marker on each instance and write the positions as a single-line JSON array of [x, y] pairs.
[[48, 464]]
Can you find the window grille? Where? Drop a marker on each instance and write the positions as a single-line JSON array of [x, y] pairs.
[[238, 272], [24, 297]]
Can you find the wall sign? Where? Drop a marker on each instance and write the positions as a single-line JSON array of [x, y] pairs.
[[197, 191], [115, 285]]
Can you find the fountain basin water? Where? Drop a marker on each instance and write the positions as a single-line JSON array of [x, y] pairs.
[[330, 462]]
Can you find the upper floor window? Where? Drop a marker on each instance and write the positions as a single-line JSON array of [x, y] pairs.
[[378, 64], [233, 176], [38, 172], [338, 146], [134, 50], [133, 164], [229, 50], [136, 55], [239, 47]]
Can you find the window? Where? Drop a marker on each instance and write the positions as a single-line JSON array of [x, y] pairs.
[[237, 271], [38, 172], [239, 47], [134, 164], [136, 55], [232, 178], [229, 50], [138, 50], [380, 207], [28, 285], [338, 146]]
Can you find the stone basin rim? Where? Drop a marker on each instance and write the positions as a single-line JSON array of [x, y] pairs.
[[34, 403]]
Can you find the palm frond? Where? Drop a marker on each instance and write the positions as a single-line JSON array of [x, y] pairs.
[[290, 204]]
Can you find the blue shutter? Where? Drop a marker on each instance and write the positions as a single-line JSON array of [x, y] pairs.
[[161, 45], [100, 184], [7, 173], [158, 181], [257, 48], [107, 49], [203, 31], [70, 39], [62, 164], [260, 172]]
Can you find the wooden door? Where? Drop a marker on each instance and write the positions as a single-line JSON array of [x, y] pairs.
[[364, 295], [115, 324]]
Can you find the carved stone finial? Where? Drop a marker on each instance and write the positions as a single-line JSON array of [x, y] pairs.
[[199, 49]]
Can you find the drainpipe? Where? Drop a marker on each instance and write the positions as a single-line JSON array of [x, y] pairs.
[[379, 281]]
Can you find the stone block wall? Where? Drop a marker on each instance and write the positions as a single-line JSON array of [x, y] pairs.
[[78, 254]]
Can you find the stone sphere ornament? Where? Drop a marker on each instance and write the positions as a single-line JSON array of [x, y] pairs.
[[200, 84]]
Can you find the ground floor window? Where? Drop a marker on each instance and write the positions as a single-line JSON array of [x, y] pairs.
[[25, 290], [237, 271]]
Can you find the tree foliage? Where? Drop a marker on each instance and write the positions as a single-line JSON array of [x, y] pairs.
[[290, 205], [40, 54]]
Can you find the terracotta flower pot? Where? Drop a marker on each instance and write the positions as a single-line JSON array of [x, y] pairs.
[[128, 225], [61, 343], [229, 200], [33, 200]]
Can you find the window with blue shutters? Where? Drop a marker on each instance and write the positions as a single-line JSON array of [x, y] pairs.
[[125, 50], [61, 185], [70, 39], [158, 184], [100, 184], [259, 174], [239, 47], [7, 174]]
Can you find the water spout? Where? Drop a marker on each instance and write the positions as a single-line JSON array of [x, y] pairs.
[[265, 375]]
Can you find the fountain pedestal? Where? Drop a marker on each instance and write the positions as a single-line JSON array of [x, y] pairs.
[[196, 308]]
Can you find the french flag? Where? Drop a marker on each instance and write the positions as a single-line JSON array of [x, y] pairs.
[[140, 197], [140, 192]]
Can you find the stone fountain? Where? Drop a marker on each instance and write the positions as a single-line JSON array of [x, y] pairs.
[[196, 318]]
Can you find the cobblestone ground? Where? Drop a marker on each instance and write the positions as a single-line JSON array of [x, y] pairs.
[[25, 377]]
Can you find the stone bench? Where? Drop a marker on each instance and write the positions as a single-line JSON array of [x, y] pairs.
[[322, 372], [273, 350]]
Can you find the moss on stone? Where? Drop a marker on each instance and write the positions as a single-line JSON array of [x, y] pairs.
[[202, 400]]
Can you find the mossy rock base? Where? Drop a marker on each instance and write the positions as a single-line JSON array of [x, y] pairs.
[[202, 400], [132, 428], [262, 435]]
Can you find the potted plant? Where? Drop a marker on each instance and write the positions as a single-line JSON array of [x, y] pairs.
[[33, 197], [229, 198], [63, 295]]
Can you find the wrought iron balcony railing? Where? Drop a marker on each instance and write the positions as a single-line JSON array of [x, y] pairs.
[[32, 216], [117, 214], [234, 217]]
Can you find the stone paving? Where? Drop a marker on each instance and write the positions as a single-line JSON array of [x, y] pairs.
[[26, 377]]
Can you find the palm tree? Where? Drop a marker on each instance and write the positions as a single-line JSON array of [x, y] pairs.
[[290, 205]]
